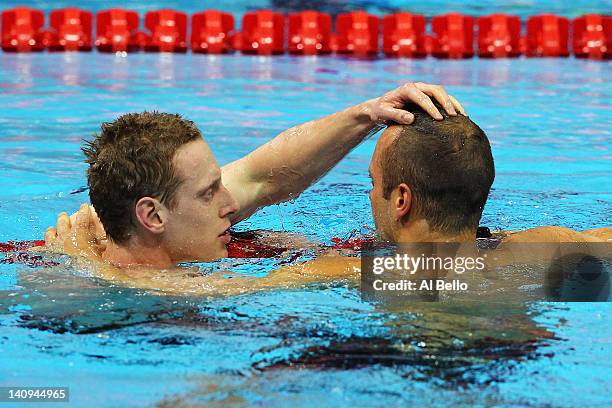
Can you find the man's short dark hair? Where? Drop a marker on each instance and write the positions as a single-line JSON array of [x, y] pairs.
[[448, 166], [131, 158]]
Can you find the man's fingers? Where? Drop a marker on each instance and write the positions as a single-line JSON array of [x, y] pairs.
[[420, 98], [83, 216], [73, 218], [82, 233], [50, 236], [440, 94], [457, 105], [399, 116], [63, 226]]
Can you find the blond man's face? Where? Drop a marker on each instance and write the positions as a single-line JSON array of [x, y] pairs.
[[198, 223]]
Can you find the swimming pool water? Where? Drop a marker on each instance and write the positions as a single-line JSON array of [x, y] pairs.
[[549, 123]]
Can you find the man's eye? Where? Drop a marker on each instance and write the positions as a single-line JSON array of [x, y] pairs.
[[207, 195]]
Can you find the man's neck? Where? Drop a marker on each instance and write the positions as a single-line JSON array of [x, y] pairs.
[[419, 231], [137, 252]]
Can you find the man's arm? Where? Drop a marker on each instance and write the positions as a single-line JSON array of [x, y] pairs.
[[285, 166], [554, 234], [325, 269], [542, 245], [181, 281]]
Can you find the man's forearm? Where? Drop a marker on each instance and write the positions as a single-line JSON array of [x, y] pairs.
[[286, 165]]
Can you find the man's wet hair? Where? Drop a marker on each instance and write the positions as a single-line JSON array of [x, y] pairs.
[[131, 158], [448, 166]]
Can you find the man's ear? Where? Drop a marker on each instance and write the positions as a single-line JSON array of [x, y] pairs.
[[151, 214], [402, 202]]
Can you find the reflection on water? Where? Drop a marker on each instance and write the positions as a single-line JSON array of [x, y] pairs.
[[119, 74], [209, 67], [20, 73], [70, 70], [167, 68]]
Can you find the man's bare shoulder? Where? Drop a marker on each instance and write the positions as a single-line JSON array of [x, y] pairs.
[[603, 234], [554, 234]]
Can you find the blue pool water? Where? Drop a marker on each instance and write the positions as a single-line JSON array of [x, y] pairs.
[[549, 122]]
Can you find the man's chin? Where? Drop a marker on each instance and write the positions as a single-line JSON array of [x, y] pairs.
[[221, 253], [224, 252]]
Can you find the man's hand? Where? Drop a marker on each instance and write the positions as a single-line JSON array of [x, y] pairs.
[[389, 107], [80, 234]]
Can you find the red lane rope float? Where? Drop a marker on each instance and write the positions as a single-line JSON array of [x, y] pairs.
[[168, 30], [547, 36], [70, 30], [453, 36], [310, 33], [593, 36], [22, 30], [263, 33], [499, 36], [357, 33], [117, 31], [212, 32], [246, 245], [404, 35]]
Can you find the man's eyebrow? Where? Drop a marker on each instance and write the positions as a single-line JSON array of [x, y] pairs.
[[205, 188]]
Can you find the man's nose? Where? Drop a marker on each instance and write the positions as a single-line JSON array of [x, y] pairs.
[[231, 206]]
